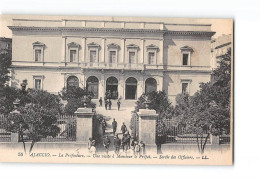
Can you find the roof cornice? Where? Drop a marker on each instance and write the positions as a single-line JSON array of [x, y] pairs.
[[78, 29]]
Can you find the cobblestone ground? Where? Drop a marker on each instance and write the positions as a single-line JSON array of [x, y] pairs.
[[123, 115]]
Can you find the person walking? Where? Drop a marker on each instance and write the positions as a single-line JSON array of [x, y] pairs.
[[123, 128], [100, 102], [114, 125], [118, 104], [109, 104], [103, 125], [142, 148], [89, 143], [106, 103], [93, 147], [127, 140], [137, 149], [106, 143], [117, 144]]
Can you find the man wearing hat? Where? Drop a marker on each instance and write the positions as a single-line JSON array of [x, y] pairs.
[[117, 144], [106, 144]]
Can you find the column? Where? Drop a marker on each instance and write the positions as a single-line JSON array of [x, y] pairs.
[[160, 62], [122, 60], [142, 51], [101, 86], [83, 60], [103, 46], [84, 124], [140, 86], [63, 49], [147, 128], [214, 140], [121, 86], [160, 83]]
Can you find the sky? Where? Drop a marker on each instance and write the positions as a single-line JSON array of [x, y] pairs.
[[220, 26]]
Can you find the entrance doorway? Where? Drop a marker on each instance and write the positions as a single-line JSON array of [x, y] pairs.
[[112, 88], [92, 86], [130, 88], [150, 85]]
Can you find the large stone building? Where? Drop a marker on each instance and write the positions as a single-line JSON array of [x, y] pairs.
[[126, 57]]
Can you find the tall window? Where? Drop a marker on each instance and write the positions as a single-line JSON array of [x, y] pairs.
[[185, 88], [72, 81], [73, 55], [38, 54], [185, 58], [93, 56], [151, 58], [37, 84], [112, 57], [131, 57]]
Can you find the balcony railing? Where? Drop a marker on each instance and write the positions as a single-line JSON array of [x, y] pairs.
[[106, 65]]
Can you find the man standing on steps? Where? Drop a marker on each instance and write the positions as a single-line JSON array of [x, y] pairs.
[[103, 125], [106, 144], [114, 125], [123, 128], [109, 104], [118, 104], [117, 144], [100, 102], [106, 103]]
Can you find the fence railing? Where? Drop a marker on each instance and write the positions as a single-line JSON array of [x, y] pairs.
[[66, 123], [4, 135], [177, 134], [224, 139]]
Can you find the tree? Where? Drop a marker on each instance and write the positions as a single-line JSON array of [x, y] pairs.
[[35, 121], [75, 99], [208, 110], [5, 63]]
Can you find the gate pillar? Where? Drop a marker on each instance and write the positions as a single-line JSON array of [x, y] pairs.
[[84, 124], [147, 128]]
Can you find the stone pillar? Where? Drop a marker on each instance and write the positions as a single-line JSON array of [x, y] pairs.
[[84, 124], [147, 128], [121, 86], [160, 61], [103, 47], [214, 140], [140, 86], [63, 49], [102, 87], [122, 60], [142, 51], [83, 60], [14, 137]]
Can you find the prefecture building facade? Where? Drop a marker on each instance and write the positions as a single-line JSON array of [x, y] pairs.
[[126, 57]]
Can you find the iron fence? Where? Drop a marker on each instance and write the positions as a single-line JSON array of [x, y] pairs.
[[171, 132], [224, 139], [4, 135]]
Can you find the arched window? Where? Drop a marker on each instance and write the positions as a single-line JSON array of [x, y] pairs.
[[130, 88], [72, 81], [111, 88], [150, 85], [92, 86]]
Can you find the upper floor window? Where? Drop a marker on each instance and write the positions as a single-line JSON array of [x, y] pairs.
[[73, 55], [113, 52], [186, 55], [38, 51], [73, 49], [151, 58], [132, 53], [93, 49], [152, 53], [112, 57]]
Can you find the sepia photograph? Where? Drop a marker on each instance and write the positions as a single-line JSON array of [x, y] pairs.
[[116, 90]]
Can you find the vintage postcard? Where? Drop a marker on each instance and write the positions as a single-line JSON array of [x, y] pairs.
[[116, 90]]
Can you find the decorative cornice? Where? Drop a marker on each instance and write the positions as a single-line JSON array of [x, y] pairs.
[[132, 46], [93, 44], [186, 48], [38, 44], [73, 44], [152, 46], [113, 45], [185, 33]]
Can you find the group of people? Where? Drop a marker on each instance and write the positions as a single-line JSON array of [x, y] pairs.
[[126, 143], [108, 103]]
